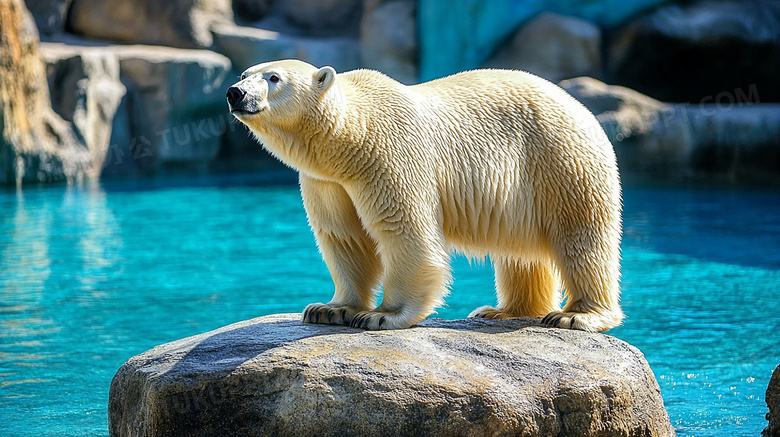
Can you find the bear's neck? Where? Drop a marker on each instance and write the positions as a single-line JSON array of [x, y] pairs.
[[325, 147]]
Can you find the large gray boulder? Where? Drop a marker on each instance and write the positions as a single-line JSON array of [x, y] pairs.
[[773, 402], [247, 46], [36, 144], [176, 106], [553, 46], [85, 90], [646, 141], [176, 23], [310, 18], [736, 139], [691, 51], [277, 376]]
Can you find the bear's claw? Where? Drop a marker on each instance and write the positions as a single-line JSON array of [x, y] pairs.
[[558, 319], [590, 321], [488, 312], [376, 320], [362, 321], [327, 314]]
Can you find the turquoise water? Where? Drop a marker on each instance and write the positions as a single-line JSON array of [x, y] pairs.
[[91, 276]]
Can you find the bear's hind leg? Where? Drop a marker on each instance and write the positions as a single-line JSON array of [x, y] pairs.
[[524, 289], [592, 291]]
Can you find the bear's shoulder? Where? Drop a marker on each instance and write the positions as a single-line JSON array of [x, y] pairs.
[[370, 80]]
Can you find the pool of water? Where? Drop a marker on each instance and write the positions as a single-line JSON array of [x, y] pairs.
[[91, 276]]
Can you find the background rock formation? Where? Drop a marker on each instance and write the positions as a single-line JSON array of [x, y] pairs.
[[35, 143], [276, 376], [738, 140], [553, 46], [452, 39], [176, 23], [692, 52], [85, 90], [715, 61]]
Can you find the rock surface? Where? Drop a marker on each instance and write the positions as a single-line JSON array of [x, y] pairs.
[[276, 376], [773, 402], [553, 46], [388, 38], [247, 46], [176, 104], [321, 17], [85, 90], [247, 11], [464, 37], [302, 18], [645, 141], [736, 142], [175, 23], [736, 139], [36, 145], [696, 50]]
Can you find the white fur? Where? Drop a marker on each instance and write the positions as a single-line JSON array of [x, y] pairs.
[[488, 162]]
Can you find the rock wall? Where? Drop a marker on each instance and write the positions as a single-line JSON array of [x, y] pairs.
[[151, 76], [274, 376], [175, 23], [50, 15], [553, 46], [142, 84], [86, 91], [464, 37], [734, 141], [35, 143], [697, 50]]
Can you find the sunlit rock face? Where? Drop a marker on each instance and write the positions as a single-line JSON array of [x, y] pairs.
[[277, 376], [36, 145]]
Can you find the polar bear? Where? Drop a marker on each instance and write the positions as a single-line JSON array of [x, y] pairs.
[[491, 163]]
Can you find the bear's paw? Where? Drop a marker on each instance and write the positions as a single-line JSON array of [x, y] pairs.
[[488, 312], [583, 321], [328, 314], [376, 320]]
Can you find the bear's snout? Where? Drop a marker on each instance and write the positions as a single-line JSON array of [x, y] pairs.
[[242, 101], [235, 95]]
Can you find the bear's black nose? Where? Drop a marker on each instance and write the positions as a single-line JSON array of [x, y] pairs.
[[235, 95]]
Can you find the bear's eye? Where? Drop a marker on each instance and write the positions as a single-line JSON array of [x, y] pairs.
[[274, 78], [243, 76]]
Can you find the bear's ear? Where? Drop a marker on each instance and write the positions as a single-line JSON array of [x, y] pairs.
[[324, 77]]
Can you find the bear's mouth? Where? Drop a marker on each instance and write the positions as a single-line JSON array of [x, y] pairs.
[[241, 111]]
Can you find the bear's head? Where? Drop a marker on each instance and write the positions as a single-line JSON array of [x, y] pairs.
[[285, 103]]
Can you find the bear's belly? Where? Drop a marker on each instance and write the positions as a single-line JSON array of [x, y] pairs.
[[494, 234]]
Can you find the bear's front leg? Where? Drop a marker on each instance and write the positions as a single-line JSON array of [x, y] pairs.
[[348, 251], [415, 283], [416, 265]]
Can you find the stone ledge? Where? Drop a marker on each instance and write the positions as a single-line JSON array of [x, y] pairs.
[[276, 376]]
